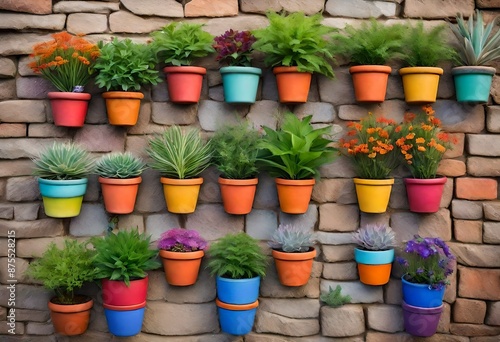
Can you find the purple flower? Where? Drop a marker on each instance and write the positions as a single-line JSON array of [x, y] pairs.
[[420, 270], [181, 240]]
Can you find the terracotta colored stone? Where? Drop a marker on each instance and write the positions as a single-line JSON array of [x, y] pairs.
[[476, 188], [12, 130], [479, 283], [451, 168], [464, 329], [211, 8], [469, 311], [468, 231], [433, 9], [27, 6]]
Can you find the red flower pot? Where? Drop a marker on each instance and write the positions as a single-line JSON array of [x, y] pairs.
[[424, 195], [184, 83], [69, 109], [116, 292]]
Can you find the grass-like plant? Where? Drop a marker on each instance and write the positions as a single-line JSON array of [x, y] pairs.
[[64, 270], [335, 298], [237, 256], [178, 154], [120, 165], [63, 161]]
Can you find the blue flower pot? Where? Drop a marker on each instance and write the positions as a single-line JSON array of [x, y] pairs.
[[421, 295], [237, 291], [124, 321], [373, 257], [236, 319], [473, 83], [62, 198], [240, 83]]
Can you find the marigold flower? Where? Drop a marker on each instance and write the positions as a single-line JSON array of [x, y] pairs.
[[372, 155], [410, 136], [421, 148], [420, 140]]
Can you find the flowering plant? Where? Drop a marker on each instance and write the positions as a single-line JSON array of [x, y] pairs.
[[182, 240], [66, 61], [369, 143], [427, 261], [422, 143], [234, 47]]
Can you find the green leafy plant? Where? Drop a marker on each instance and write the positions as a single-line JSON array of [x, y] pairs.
[[235, 151], [180, 43], [296, 149], [178, 154], [64, 270], [126, 66], [373, 43], [63, 161], [334, 298], [297, 40], [119, 165], [375, 237], [290, 239], [237, 256], [124, 256], [478, 44]]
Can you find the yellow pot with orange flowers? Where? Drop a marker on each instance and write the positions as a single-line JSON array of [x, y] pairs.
[[370, 146], [66, 61], [421, 145]]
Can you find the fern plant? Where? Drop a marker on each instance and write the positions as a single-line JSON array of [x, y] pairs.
[[335, 298], [237, 256], [120, 165]]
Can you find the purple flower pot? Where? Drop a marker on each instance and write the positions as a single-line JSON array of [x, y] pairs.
[[420, 321]]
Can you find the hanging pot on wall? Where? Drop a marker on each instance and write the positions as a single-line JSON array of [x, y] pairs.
[[119, 195], [370, 82], [70, 320], [184, 83], [181, 195], [294, 269], [240, 83], [123, 107], [69, 109], [238, 194], [374, 267], [293, 85], [424, 195], [181, 268], [294, 195], [373, 194], [62, 198], [473, 83], [420, 84]]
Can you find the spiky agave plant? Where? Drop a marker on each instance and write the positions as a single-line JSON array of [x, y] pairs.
[[289, 238], [375, 237], [120, 165]]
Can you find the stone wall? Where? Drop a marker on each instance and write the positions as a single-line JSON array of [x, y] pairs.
[[469, 218]]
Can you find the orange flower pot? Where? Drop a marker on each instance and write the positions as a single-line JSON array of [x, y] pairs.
[[181, 195], [294, 195], [420, 84], [294, 269], [238, 194], [70, 320], [119, 195], [69, 109], [374, 274], [370, 82], [293, 85], [184, 83], [181, 268], [123, 107]]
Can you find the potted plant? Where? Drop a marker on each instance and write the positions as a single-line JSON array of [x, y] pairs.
[[422, 145], [123, 68], [67, 61], [427, 263], [65, 270], [239, 79], [120, 176], [178, 45], [369, 48], [181, 251], [293, 253], [180, 157], [62, 171], [478, 47], [374, 253], [293, 154], [423, 50], [370, 146], [235, 149], [121, 260], [238, 263], [296, 46]]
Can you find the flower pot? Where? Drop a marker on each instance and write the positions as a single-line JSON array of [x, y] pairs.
[[116, 292], [238, 194], [124, 320], [240, 83], [237, 291], [62, 198], [69, 109], [374, 267], [181, 268], [473, 83], [70, 320], [293, 85], [370, 82], [373, 194], [420, 84], [421, 321], [181, 195], [119, 195], [123, 107], [184, 83], [421, 295], [236, 319], [294, 195], [294, 269], [424, 195]]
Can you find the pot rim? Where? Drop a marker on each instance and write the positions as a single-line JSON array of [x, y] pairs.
[[287, 256], [241, 70], [237, 182], [370, 68], [71, 308], [438, 180], [236, 307], [175, 181], [473, 69], [181, 255], [365, 181], [120, 181], [288, 69], [124, 307], [283, 181], [132, 95], [421, 310], [185, 69], [67, 95], [421, 70]]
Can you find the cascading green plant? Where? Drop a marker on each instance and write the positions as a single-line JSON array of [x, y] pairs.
[[120, 165]]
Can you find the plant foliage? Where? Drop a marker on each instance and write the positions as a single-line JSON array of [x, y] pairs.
[[182, 240], [119, 165], [375, 237], [234, 48], [237, 256], [290, 239], [334, 298]]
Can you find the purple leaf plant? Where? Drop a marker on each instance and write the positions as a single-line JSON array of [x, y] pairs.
[[234, 48], [182, 240]]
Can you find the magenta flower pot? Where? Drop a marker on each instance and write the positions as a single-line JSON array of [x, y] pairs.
[[424, 195], [420, 321]]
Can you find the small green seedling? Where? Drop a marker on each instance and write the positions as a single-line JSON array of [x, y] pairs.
[[334, 298]]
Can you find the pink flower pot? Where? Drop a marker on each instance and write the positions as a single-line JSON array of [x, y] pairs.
[[424, 195]]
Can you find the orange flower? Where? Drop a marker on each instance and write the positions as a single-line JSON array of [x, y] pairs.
[[421, 149], [410, 136], [420, 140]]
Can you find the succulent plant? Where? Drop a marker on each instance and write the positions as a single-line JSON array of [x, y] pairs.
[[375, 237], [120, 165], [289, 238]]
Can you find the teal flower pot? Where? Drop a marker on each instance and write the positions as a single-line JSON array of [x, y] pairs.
[[473, 83], [240, 83], [62, 198]]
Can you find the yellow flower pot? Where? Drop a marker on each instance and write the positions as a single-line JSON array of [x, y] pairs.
[[181, 195], [420, 84], [373, 194]]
